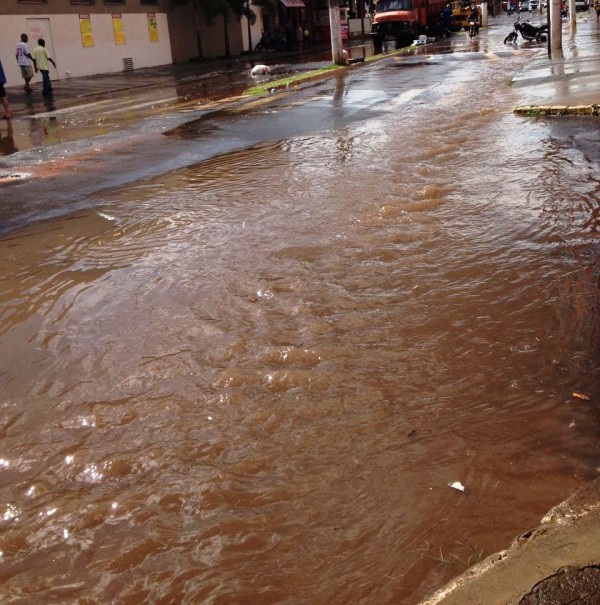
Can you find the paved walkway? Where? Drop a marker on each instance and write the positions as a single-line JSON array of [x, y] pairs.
[[570, 77]]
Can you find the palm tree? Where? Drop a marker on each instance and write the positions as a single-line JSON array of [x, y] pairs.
[[232, 8], [269, 5]]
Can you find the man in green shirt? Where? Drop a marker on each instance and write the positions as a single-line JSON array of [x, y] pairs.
[[41, 57]]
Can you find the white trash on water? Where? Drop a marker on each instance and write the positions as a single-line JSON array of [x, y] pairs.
[[457, 485], [260, 70]]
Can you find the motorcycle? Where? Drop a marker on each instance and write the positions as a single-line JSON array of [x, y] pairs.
[[529, 32], [473, 28], [268, 42]]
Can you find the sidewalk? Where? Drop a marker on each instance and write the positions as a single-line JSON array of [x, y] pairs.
[[569, 82], [217, 78]]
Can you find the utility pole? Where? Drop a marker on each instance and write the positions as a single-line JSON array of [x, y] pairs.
[[572, 15], [337, 54], [554, 26]]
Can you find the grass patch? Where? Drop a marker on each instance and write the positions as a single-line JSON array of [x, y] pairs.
[[265, 87], [283, 82]]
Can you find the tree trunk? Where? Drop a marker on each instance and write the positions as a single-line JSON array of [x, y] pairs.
[[249, 29], [226, 35], [198, 37]]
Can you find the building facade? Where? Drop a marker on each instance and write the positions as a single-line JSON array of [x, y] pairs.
[[87, 37]]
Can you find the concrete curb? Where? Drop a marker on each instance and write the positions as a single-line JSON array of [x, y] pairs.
[[565, 541], [533, 111]]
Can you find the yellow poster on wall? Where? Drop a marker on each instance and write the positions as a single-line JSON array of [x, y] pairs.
[[118, 30], [85, 25], [152, 27]]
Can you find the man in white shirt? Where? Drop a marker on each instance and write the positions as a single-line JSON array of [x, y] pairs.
[[24, 61]]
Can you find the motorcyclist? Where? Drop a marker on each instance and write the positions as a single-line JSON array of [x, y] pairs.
[[474, 16]]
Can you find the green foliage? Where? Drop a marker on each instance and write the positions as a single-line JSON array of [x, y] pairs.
[[233, 8], [211, 9], [285, 82]]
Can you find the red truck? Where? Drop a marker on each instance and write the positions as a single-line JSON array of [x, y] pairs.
[[405, 20]]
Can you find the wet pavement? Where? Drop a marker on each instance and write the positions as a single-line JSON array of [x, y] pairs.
[[571, 79], [571, 76]]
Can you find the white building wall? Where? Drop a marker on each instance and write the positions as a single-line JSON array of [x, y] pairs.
[[63, 40], [255, 30]]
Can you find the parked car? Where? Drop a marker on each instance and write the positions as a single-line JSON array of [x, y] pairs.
[[534, 5], [524, 6], [582, 5]]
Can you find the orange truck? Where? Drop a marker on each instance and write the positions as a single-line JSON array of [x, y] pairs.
[[405, 20]]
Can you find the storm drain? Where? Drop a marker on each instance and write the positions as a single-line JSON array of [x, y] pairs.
[[569, 586], [128, 64]]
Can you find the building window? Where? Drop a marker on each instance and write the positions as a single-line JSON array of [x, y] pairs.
[[114, 1], [82, 1], [33, 1]]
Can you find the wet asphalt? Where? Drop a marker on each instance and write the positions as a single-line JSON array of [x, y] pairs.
[[570, 77]]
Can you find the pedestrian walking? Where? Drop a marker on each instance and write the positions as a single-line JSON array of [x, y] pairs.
[[24, 61], [3, 96], [597, 9], [41, 58]]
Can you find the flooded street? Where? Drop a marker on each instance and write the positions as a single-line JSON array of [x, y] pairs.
[[244, 353]]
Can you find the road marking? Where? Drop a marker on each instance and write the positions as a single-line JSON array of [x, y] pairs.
[[407, 96]]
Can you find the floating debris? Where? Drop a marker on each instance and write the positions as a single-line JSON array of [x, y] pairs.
[[581, 396]]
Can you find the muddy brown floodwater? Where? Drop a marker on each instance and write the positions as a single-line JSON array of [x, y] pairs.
[[251, 380]]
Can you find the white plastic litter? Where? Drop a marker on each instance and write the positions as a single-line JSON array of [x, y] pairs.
[[260, 70], [457, 485]]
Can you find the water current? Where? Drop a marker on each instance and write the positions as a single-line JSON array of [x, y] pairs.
[[251, 379]]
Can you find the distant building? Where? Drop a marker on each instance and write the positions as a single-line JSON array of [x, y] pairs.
[[87, 37]]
